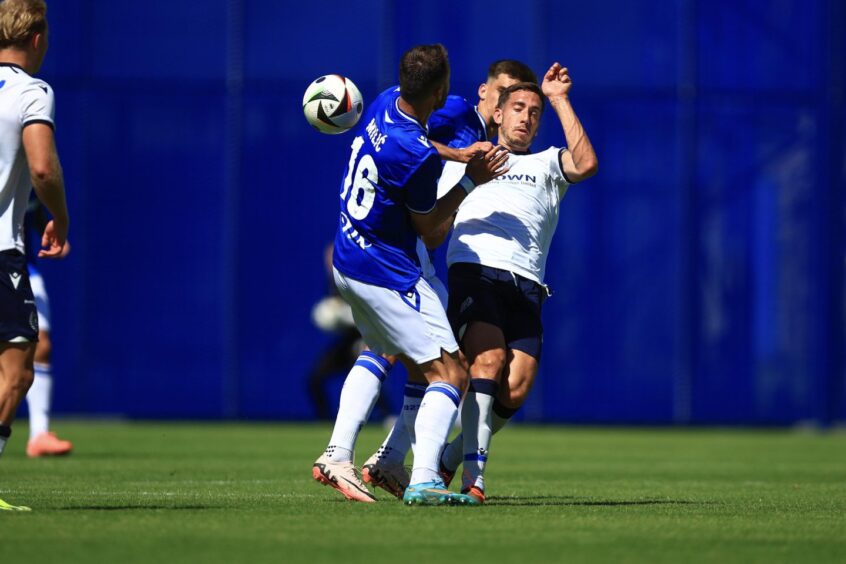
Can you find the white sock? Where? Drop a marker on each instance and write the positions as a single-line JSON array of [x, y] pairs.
[[476, 425], [411, 400], [38, 400], [434, 421], [454, 452], [359, 394], [398, 442]]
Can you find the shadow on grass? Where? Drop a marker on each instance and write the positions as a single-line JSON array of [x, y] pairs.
[[136, 507], [550, 500]]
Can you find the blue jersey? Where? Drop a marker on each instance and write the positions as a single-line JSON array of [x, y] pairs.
[[393, 170], [458, 124]]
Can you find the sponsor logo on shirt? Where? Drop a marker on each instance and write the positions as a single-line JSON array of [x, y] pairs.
[[521, 178]]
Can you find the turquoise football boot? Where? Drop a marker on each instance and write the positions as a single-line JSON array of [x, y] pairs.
[[433, 493]]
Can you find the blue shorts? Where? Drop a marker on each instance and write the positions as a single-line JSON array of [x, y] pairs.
[[501, 298], [18, 315]]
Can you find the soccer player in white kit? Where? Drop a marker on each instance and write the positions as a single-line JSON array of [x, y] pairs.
[[28, 159], [497, 257]]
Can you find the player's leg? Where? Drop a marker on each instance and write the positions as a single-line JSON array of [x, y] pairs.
[[386, 468], [438, 411], [430, 353], [524, 339], [484, 347], [41, 441], [476, 313], [18, 335], [361, 388], [16, 374]]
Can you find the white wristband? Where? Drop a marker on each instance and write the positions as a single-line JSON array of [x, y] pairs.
[[467, 183]]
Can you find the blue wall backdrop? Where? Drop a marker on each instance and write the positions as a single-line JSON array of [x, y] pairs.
[[699, 277]]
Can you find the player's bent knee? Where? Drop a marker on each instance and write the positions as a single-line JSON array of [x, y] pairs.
[[488, 364]]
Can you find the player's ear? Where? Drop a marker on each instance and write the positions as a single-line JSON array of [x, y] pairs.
[[483, 90], [497, 115]]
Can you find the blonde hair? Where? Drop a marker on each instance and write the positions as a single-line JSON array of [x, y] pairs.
[[20, 20]]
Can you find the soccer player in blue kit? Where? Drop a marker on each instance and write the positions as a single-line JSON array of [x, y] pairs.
[[388, 199]]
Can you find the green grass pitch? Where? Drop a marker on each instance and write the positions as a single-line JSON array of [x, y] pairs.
[[163, 492]]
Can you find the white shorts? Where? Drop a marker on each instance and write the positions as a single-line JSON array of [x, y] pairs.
[[42, 302], [391, 322], [439, 289]]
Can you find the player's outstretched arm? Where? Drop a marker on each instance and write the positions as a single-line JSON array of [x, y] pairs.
[[434, 226], [46, 173], [579, 162], [464, 154]]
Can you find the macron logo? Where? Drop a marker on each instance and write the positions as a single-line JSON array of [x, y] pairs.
[[16, 279], [423, 140]]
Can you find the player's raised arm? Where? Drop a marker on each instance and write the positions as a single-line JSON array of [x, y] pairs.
[[46, 174], [579, 161]]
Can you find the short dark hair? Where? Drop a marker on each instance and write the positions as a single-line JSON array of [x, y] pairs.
[[514, 69], [518, 86], [422, 70]]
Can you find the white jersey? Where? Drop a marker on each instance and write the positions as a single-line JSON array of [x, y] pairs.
[[509, 222], [23, 101], [452, 173]]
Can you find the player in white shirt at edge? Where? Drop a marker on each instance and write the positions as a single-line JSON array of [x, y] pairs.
[[28, 159], [497, 258]]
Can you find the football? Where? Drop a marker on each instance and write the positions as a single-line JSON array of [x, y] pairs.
[[332, 104]]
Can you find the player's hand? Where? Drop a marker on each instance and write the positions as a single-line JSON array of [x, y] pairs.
[[477, 148], [485, 167], [556, 82], [65, 250], [54, 241]]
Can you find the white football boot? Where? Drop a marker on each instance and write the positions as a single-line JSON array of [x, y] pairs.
[[343, 476]]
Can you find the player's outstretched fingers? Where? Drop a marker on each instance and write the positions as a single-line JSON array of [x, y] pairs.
[[498, 161], [495, 151]]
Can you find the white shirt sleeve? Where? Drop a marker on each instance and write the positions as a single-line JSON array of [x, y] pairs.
[[556, 174], [453, 171], [37, 104]]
